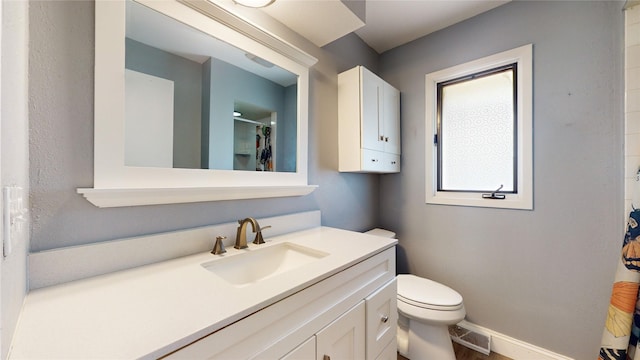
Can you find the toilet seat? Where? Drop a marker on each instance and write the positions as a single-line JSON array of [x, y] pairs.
[[427, 294]]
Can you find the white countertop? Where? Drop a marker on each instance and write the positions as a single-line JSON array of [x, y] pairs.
[[152, 310]]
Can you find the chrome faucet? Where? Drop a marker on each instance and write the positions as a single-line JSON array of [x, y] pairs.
[[241, 234]]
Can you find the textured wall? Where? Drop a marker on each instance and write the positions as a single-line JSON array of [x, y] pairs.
[[61, 145], [541, 276]]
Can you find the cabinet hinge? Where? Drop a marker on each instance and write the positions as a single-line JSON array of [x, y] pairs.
[[435, 139]]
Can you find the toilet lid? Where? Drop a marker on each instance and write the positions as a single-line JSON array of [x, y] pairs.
[[427, 293]]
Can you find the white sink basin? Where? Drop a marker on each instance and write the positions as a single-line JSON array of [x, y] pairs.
[[259, 264]]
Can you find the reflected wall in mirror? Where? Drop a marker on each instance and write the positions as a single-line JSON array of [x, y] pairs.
[[195, 102]]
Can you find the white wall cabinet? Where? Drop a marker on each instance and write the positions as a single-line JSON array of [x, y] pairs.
[[369, 123], [350, 315]]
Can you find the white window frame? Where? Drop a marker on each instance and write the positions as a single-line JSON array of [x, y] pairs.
[[523, 56]]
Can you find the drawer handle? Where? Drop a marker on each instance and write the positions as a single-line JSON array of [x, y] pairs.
[[384, 318]]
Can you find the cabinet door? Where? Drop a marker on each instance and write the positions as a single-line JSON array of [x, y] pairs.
[[306, 351], [372, 108], [391, 130], [344, 337], [390, 352], [382, 319]]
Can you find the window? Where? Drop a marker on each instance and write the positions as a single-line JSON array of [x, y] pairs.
[[479, 117]]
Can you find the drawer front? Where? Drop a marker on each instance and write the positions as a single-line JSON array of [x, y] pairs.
[[372, 160], [381, 318], [391, 163]]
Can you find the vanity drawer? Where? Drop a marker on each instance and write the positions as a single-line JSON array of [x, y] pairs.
[[381, 319]]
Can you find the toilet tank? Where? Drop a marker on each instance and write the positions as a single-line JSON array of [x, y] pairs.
[[382, 233]]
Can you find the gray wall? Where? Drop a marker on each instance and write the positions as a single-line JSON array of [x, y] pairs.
[[186, 76], [61, 145], [228, 84], [14, 157], [350, 51], [542, 276]]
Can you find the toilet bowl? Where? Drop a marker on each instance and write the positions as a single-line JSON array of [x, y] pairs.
[[425, 311]]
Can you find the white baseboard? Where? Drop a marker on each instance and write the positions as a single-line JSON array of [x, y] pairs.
[[514, 348]]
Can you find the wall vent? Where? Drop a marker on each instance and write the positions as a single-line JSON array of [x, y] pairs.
[[471, 338]]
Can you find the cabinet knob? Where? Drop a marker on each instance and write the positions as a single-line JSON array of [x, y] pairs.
[[326, 357], [384, 318], [381, 137], [386, 139]]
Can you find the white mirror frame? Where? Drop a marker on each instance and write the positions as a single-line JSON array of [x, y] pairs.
[[118, 185]]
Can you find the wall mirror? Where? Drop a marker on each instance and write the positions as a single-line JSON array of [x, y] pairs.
[[193, 103]]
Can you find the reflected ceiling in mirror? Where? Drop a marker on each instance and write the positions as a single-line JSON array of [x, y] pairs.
[[182, 87]]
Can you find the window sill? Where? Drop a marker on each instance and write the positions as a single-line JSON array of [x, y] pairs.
[[514, 202]]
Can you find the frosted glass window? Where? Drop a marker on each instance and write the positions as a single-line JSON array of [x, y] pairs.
[[479, 126], [476, 134]]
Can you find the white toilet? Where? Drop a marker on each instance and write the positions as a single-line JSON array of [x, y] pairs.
[[425, 311]]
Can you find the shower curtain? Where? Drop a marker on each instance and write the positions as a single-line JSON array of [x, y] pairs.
[[622, 328]]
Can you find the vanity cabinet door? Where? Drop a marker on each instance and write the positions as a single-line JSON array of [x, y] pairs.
[[306, 351], [390, 352], [344, 338], [381, 319]]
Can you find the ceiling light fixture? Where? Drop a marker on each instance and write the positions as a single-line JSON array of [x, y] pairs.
[[254, 3]]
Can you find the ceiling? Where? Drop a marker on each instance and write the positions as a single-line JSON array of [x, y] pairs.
[[387, 23]]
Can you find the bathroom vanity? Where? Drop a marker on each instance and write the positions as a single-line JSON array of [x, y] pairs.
[[307, 294]]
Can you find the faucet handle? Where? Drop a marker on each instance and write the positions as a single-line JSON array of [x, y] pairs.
[[259, 239], [218, 248]]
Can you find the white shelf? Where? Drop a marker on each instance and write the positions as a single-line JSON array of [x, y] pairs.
[[136, 197]]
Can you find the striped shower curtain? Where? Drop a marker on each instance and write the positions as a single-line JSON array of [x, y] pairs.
[[622, 328]]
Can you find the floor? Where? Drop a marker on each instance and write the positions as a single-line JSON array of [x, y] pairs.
[[463, 353]]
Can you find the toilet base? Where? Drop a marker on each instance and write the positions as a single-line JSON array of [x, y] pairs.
[[429, 342]]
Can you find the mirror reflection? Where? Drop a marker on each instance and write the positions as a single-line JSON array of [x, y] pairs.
[[195, 102]]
